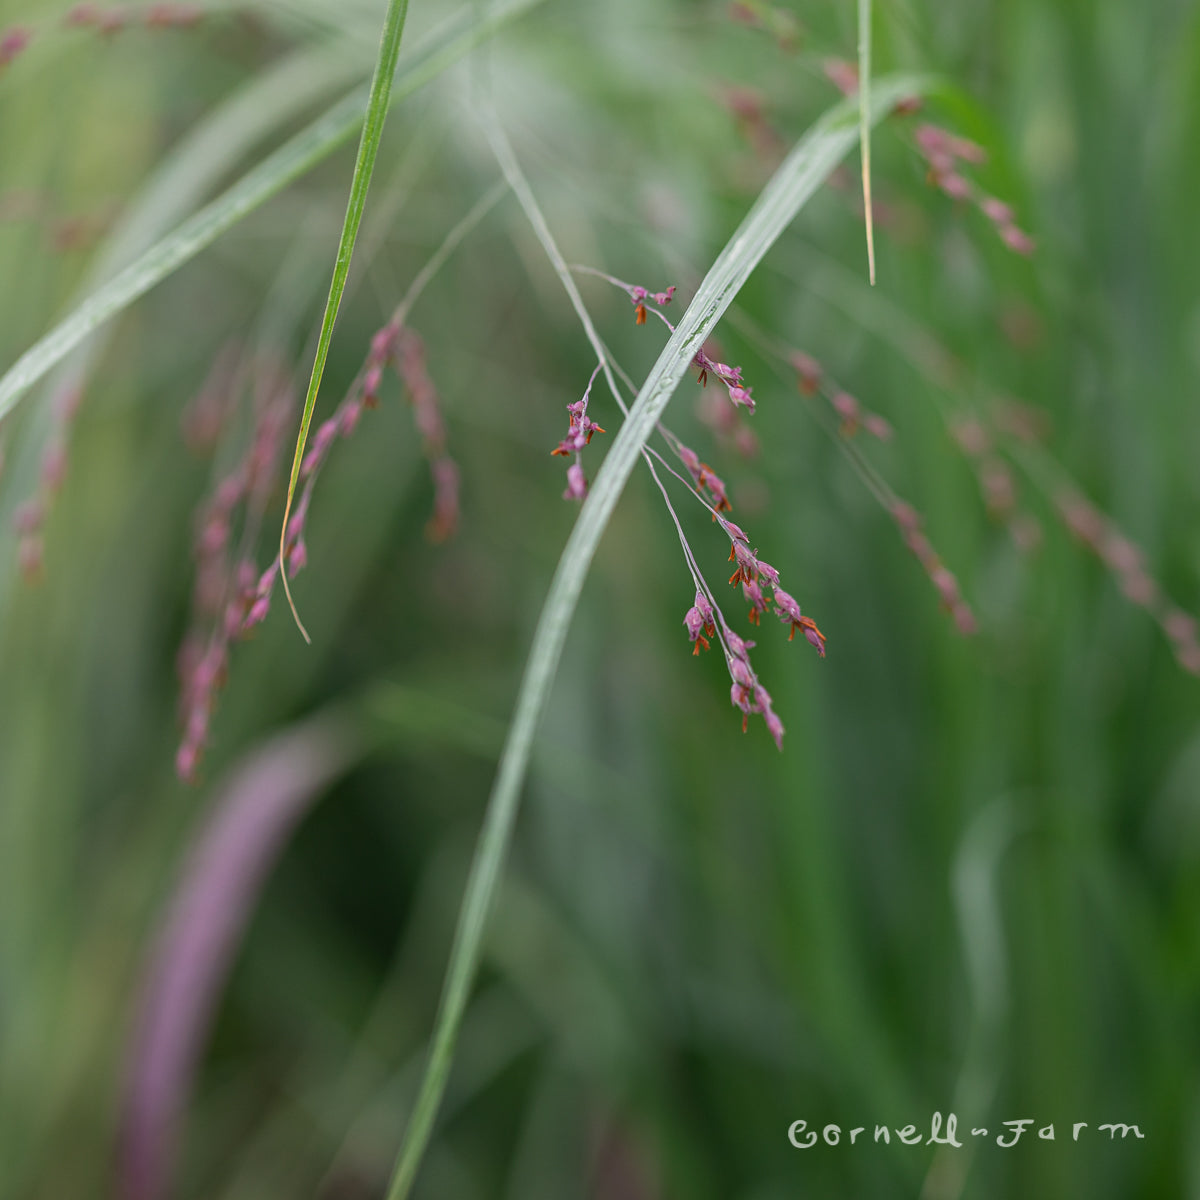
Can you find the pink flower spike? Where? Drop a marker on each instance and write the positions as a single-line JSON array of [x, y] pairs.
[[30, 556], [444, 522], [297, 558], [846, 406], [1017, 240], [1139, 588], [786, 608], [257, 614], [946, 585], [661, 298], [348, 420], [788, 611], [815, 637], [83, 15], [931, 140], [967, 150], [262, 603], [28, 518], [953, 184], [1188, 657], [716, 487], [187, 760], [758, 602], [576, 483], [323, 439], [906, 517], [1179, 626], [246, 576], [372, 381], [842, 74], [736, 532], [382, 343], [971, 436], [12, 42], [996, 210], [691, 460], [741, 395], [737, 647], [774, 727], [808, 372], [964, 618], [698, 621], [877, 427]]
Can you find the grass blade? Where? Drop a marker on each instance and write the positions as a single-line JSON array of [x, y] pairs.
[[297, 156], [864, 124], [803, 171], [360, 182]]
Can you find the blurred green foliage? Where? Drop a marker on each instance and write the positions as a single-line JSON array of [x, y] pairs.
[[970, 881]]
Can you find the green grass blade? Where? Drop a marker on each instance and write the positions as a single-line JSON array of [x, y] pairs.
[[360, 182], [297, 156], [804, 170], [864, 124]]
